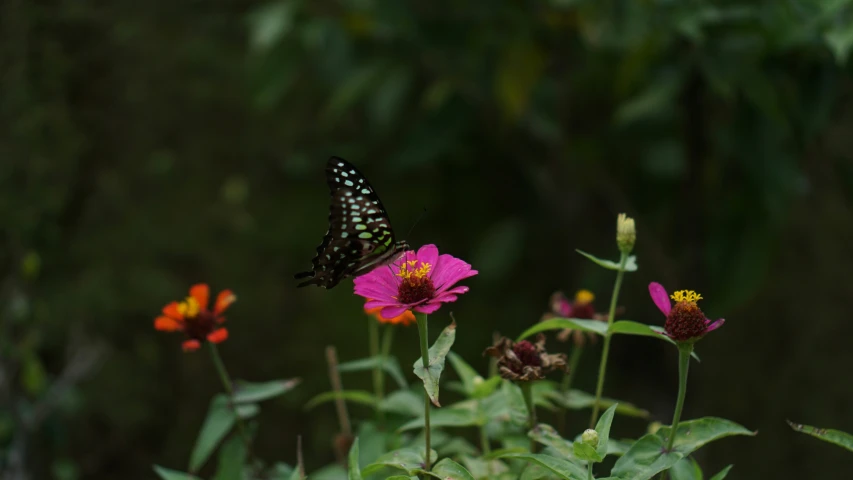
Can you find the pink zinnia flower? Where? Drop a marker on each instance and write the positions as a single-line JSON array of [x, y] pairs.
[[419, 281], [684, 320]]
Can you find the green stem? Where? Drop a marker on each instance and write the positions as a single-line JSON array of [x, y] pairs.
[[684, 351], [378, 387], [589, 467], [527, 389], [423, 332], [486, 449], [602, 367], [566, 386], [229, 389]]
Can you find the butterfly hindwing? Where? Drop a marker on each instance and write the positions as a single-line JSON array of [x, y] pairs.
[[359, 236]]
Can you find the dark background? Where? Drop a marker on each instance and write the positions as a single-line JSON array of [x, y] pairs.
[[146, 146]]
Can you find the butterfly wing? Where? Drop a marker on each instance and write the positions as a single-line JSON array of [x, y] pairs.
[[359, 236]]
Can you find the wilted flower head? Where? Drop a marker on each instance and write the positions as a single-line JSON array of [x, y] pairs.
[[684, 320], [406, 318], [581, 307], [192, 317], [524, 361], [419, 281]]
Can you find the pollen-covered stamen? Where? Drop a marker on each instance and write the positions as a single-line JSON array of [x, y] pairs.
[[198, 323], [686, 320], [416, 285], [189, 308]]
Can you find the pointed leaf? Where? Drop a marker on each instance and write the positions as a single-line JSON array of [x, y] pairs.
[[585, 325], [437, 354], [220, 418], [694, 434], [486, 387], [722, 474], [356, 396], [352, 459], [578, 399], [232, 456], [585, 452], [404, 402], [466, 373], [603, 429], [686, 469], [389, 365], [837, 437], [447, 469], [630, 264], [446, 417], [645, 459], [245, 392], [548, 436], [409, 460], [563, 468], [167, 474]]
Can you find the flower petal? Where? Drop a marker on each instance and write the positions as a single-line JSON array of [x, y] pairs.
[[168, 324], [660, 297], [172, 311], [392, 311], [380, 283], [191, 345], [430, 307], [561, 305], [449, 270], [201, 293], [428, 254], [223, 300], [218, 336], [382, 303], [713, 326]]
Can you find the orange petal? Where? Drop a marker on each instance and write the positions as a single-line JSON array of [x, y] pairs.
[[406, 318], [218, 336], [191, 345], [171, 310], [167, 324], [225, 298], [201, 293]]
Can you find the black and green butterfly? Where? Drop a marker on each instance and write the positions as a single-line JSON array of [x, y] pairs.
[[360, 237]]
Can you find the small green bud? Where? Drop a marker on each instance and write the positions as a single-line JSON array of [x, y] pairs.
[[590, 437], [626, 233]]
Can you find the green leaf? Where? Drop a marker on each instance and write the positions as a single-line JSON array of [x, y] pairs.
[[618, 448], [437, 354], [694, 434], [167, 474], [390, 365], [585, 325], [447, 469], [630, 264], [279, 471], [563, 468], [466, 373], [232, 456], [486, 387], [585, 452], [839, 39], [357, 396], [455, 447], [446, 417], [686, 469], [578, 399], [354, 471], [245, 392], [722, 474], [603, 429], [629, 327], [837, 437], [645, 459], [403, 402], [548, 436], [409, 460], [219, 421]]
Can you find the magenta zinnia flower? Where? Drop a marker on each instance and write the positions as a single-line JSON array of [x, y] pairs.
[[419, 281], [684, 320]]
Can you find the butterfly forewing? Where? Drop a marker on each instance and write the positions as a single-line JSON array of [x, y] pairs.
[[360, 237]]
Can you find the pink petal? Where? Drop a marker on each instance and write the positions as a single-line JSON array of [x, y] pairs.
[[386, 302], [445, 298], [449, 270], [660, 297], [713, 326], [428, 254], [379, 283], [391, 312], [458, 290], [428, 307]]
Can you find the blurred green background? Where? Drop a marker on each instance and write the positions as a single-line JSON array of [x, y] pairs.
[[146, 146]]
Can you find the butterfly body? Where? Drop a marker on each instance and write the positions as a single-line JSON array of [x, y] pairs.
[[360, 237]]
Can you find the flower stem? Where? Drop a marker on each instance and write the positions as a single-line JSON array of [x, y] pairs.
[[486, 449], [527, 389], [602, 367], [423, 332], [566, 386], [684, 351], [229, 389], [589, 467], [378, 387]]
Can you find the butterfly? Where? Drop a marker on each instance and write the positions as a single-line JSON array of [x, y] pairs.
[[360, 237]]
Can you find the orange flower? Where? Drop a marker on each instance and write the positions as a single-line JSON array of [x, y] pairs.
[[194, 319], [406, 318]]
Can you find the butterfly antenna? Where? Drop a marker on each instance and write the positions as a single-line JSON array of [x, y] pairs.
[[409, 233]]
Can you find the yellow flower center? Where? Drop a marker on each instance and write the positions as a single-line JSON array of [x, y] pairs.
[[686, 296], [412, 274], [189, 308], [584, 296]]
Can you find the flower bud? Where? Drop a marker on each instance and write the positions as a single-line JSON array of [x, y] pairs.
[[590, 437], [626, 233]]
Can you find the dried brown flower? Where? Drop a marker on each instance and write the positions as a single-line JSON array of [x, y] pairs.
[[525, 361]]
